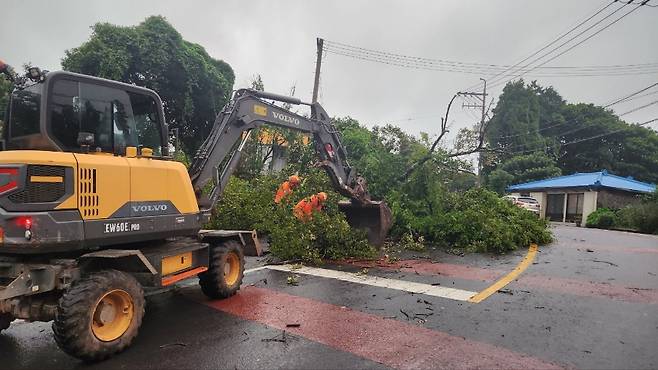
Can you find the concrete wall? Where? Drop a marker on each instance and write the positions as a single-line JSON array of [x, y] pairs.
[[615, 199]]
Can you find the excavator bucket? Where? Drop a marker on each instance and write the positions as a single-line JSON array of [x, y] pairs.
[[374, 217]]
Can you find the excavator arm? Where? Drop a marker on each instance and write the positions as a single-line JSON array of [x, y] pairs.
[[218, 156], [249, 110]]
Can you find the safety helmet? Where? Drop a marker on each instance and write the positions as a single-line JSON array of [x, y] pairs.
[[294, 179]]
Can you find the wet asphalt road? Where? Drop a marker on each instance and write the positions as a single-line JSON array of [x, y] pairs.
[[589, 300]]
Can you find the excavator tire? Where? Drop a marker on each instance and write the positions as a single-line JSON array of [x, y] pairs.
[[225, 270], [99, 315], [5, 321]]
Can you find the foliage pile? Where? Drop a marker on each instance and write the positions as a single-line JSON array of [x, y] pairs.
[[433, 205], [249, 204], [435, 202], [476, 221]]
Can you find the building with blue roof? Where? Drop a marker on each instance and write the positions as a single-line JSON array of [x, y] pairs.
[[572, 198]]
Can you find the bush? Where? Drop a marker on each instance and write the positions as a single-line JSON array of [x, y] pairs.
[[602, 218], [642, 217], [250, 205]]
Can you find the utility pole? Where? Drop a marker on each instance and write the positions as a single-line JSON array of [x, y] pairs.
[[483, 98], [318, 66]]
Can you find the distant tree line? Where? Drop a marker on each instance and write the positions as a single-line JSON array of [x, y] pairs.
[[535, 134]]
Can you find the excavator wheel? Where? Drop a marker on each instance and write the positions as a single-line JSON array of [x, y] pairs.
[[99, 315], [225, 270], [5, 321]]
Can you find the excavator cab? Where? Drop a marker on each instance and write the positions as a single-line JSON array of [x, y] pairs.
[[69, 112]]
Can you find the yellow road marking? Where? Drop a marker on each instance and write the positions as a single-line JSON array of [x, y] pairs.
[[522, 266]]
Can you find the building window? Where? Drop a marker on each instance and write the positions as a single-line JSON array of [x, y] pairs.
[[575, 207], [555, 207]]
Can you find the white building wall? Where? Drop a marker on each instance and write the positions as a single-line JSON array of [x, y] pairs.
[[589, 204], [541, 198]]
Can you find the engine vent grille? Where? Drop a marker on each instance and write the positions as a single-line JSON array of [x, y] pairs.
[[88, 198], [41, 192]]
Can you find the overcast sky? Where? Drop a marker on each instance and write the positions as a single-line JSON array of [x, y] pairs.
[[276, 39]]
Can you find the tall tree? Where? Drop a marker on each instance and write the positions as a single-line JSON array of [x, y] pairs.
[[193, 86], [622, 149], [515, 123]]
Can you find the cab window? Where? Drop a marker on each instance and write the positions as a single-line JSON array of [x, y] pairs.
[[147, 123], [115, 117], [24, 112]]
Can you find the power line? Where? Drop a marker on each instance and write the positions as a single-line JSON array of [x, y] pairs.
[[630, 95], [585, 139], [639, 108], [560, 37], [578, 43], [639, 96], [346, 48], [575, 119], [458, 67]]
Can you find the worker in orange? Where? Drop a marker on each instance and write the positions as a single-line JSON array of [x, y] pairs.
[[305, 208], [286, 188]]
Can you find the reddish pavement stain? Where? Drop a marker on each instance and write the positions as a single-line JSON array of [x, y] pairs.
[[554, 284], [433, 268], [387, 341]]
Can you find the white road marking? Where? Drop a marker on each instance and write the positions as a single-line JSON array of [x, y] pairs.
[[255, 269], [406, 286]]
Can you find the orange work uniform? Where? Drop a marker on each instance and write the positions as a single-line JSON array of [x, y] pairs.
[[304, 209], [286, 188]]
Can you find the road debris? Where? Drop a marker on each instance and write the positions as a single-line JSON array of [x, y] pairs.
[[173, 345], [280, 338], [292, 280], [609, 263]]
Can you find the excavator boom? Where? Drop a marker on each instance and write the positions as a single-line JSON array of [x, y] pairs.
[[217, 157]]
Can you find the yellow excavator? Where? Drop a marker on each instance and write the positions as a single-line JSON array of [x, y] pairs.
[[94, 211]]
